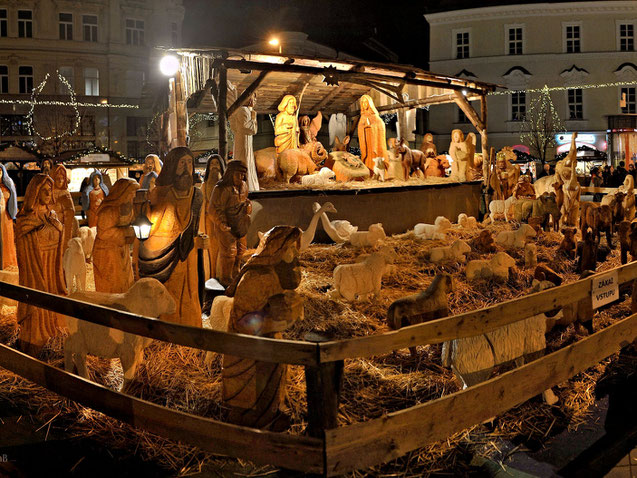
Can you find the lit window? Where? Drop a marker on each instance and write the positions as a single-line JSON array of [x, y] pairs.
[[91, 82], [572, 34], [628, 96], [4, 79], [134, 32], [626, 37], [89, 25], [575, 104], [3, 22], [515, 40], [518, 106], [25, 23], [67, 73], [66, 26], [462, 44], [25, 79]]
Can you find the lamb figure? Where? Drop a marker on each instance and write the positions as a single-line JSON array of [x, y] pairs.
[[362, 280], [517, 238], [87, 236], [499, 206], [497, 267], [369, 238], [454, 252], [321, 178], [435, 231], [530, 255], [379, 169], [467, 222], [74, 265]]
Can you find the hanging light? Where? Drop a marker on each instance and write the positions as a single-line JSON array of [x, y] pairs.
[[169, 65], [141, 226]]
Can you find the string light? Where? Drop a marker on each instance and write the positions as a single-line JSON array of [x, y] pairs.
[[67, 103], [565, 88], [541, 123]]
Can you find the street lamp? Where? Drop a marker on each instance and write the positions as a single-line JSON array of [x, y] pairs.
[[169, 65]]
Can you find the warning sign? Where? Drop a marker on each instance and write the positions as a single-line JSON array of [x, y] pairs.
[[605, 289]]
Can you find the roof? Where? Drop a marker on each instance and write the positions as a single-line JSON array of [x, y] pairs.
[[327, 85]]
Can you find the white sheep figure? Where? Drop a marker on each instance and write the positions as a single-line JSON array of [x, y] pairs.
[[12, 277], [369, 238], [319, 179], [74, 265], [379, 169], [530, 255], [434, 231], [515, 239], [454, 252], [499, 206], [146, 297], [497, 267], [467, 222], [87, 236], [219, 319], [362, 280]]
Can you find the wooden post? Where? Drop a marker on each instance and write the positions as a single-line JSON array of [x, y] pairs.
[[222, 93], [323, 385], [180, 111], [484, 139]]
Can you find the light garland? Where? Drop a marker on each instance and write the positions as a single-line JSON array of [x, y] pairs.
[[541, 123], [66, 103], [34, 94], [565, 88]]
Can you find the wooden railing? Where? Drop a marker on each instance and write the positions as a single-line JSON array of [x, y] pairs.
[[330, 449]]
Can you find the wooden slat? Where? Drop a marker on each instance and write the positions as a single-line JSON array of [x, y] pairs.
[[383, 439], [592, 190], [247, 346], [280, 449], [467, 324]]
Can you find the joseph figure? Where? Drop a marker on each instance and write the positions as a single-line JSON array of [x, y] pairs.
[[168, 254]]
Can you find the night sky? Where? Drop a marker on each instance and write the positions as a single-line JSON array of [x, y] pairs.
[[346, 25]]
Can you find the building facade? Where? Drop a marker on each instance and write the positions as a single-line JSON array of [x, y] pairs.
[[104, 49], [583, 51]]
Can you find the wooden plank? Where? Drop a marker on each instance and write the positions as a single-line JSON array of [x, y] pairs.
[[592, 190], [280, 449], [246, 93], [259, 348], [222, 96], [383, 439], [467, 324], [468, 110]]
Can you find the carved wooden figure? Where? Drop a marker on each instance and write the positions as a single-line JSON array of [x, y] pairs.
[[39, 250], [570, 208], [244, 126], [495, 268], [454, 252], [633, 241], [63, 203], [515, 239], [462, 152], [505, 175], [524, 188], [428, 147], [431, 304], [623, 232], [265, 304], [503, 207], [435, 231], [95, 193], [413, 159], [530, 255], [368, 238], [587, 251], [74, 265], [568, 246], [436, 167], [308, 235], [322, 178], [293, 162], [483, 242], [215, 167], [151, 169], [579, 313], [629, 201], [371, 133], [286, 126], [362, 280], [8, 211], [338, 230]]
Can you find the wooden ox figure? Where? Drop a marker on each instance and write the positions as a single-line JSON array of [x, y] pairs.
[[413, 159]]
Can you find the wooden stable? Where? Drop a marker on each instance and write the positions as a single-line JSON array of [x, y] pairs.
[[329, 449]]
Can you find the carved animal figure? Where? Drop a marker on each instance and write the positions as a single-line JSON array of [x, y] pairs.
[[146, 297], [369, 238], [499, 206], [517, 238], [530, 255], [293, 162], [633, 241], [308, 235], [616, 204], [321, 178], [394, 162], [454, 252], [543, 207], [74, 265], [338, 146], [434, 231], [362, 280], [338, 230], [623, 232], [425, 306], [497, 267], [587, 252], [379, 169], [579, 313], [266, 163], [483, 242], [219, 319], [87, 235], [589, 217], [543, 272], [413, 159], [467, 222], [568, 246], [11, 277], [629, 201], [437, 166]]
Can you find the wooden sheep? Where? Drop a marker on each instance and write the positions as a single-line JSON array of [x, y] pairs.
[[293, 162], [362, 280], [497, 267], [219, 319], [87, 236], [428, 305], [11, 277], [623, 232], [454, 252], [379, 169], [483, 242], [146, 297], [568, 246], [517, 238], [499, 206], [369, 238], [74, 265], [321, 178], [467, 222], [530, 255], [434, 231]]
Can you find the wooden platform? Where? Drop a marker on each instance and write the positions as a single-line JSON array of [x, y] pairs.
[[398, 208]]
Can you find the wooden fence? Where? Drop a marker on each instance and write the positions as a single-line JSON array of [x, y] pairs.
[[329, 449]]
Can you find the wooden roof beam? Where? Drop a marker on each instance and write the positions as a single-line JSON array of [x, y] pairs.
[[247, 92]]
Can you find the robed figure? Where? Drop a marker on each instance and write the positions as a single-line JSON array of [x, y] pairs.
[[94, 195], [8, 210], [243, 124], [215, 168], [169, 254], [286, 126], [39, 247], [63, 204], [151, 169], [371, 133], [111, 253]]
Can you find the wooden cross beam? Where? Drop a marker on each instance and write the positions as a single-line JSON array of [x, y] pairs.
[[468, 110], [247, 92]]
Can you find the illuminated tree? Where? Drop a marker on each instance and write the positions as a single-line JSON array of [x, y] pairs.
[[540, 125]]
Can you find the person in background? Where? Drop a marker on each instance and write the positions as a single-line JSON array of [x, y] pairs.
[[632, 171], [546, 171], [606, 175], [596, 182]]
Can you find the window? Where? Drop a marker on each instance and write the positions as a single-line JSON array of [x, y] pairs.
[[87, 125], [67, 74], [174, 34], [575, 104], [3, 22], [25, 79], [462, 118], [514, 41], [134, 83], [89, 24], [626, 37], [91, 82], [13, 125], [136, 125], [572, 38], [518, 106], [134, 32], [628, 96], [25, 23], [66, 26], [4, 79], [462, 44]]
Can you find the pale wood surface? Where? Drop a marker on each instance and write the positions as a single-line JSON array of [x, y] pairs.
[[280, 449], [380, 440]]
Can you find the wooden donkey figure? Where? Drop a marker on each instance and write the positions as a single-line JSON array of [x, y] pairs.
[[413, 159]]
